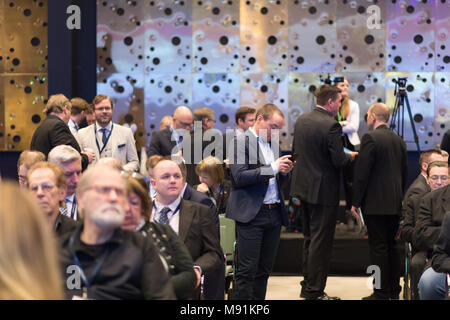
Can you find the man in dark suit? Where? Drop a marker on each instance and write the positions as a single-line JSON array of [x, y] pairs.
[[193, 222], [54, 131], [256, 202], [380, 179], [437, 177], [164, 142], [316, 181]]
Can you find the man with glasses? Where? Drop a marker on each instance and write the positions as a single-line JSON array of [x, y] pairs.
[[169, 141], [48, 184], [437, 177], [108, 139], [111, 263], [26, 160], [380, 180]]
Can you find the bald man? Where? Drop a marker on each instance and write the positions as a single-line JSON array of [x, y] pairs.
[[380, 180], [168, 141]]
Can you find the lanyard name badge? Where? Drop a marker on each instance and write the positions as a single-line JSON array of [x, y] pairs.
[[87, 282], [106, 141]]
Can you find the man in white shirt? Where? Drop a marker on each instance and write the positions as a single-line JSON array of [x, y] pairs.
[[69, 160]]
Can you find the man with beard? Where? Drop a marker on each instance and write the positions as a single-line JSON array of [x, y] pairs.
[[99, 259], [108, 139], [48, 184]]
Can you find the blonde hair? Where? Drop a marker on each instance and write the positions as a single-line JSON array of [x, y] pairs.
[[29, 267], [212, 167]]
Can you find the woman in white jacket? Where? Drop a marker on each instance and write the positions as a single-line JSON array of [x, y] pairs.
[[348, 117]]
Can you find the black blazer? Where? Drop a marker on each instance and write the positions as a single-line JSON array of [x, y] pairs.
[[441, 254], [53, 132], [432, 210], [318, 143], [175, 253], [193, 195], [411, 209], [419, 186], [381, 173], [196, 230], [161, 143]]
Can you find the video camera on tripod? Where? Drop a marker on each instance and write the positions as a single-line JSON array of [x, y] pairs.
[[398, 113]]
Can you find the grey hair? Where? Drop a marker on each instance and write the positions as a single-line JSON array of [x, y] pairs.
[[63, 154]]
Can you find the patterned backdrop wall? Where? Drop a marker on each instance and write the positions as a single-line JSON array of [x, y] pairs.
[[156, 55], [23, 70]]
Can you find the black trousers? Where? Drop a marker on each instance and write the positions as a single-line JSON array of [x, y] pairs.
[[257, 248], [319, 224], [382, 230]]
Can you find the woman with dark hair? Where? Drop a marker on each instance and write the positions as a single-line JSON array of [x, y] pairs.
[[174, 254]]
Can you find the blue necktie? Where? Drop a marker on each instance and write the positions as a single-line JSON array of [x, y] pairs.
[[103, 130], [163, 218]]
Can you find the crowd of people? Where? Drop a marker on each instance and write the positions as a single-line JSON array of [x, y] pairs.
[[97, 228]]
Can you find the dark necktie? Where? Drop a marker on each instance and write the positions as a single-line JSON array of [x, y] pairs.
[[74, 208], [163, 218], [103, 130]]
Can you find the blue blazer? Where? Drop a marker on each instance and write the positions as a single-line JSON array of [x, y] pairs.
[[248, 184]]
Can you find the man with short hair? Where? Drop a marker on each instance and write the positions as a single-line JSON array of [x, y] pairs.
[[109, 139], [165, 122], [47, 182], [437, 177], [79, 106], [89, 115], [256, 201], [111, 263], [193, 222], [168, 141], [245, 118], [380, 180], [53, 131], [150, 164], [26, 160], [69, 160], [316, 181]]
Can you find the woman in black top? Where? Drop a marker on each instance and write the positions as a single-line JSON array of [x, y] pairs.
[[173, 252]]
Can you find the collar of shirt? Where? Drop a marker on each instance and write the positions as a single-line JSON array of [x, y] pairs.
[[108, 128], [73, 124], [173, 206], [70, 198], [174, 133]]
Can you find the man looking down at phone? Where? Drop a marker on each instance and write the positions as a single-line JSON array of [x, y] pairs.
[[316, 181], [256, 202]]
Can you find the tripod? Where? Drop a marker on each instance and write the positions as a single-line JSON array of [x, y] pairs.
[[398, 114]]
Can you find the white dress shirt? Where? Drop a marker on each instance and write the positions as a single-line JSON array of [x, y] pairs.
[[272, 195], [173, 215]]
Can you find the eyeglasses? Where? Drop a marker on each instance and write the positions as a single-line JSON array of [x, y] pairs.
[[106, 190], [436, 177], [46, 187]]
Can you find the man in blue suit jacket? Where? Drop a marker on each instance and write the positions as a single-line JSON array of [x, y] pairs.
[[256, 201]]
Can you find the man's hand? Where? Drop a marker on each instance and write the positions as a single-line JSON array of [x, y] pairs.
[[355, 213], [284, 164], [199, 276], [353, 155], [90, 155]]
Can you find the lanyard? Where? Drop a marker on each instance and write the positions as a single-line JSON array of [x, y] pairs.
[[174, 213], [86, 281], [107, 139]]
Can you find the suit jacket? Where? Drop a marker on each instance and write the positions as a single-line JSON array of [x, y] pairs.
[[419, 186], [121, 142], [196, 230], [441, 254], [411, 208], [432, 210], [250, 175], [193, 195], [161, 143], [53, 132], [381, 173], [318, 143]]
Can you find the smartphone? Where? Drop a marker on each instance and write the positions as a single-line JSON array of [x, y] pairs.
[[294, 157]]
